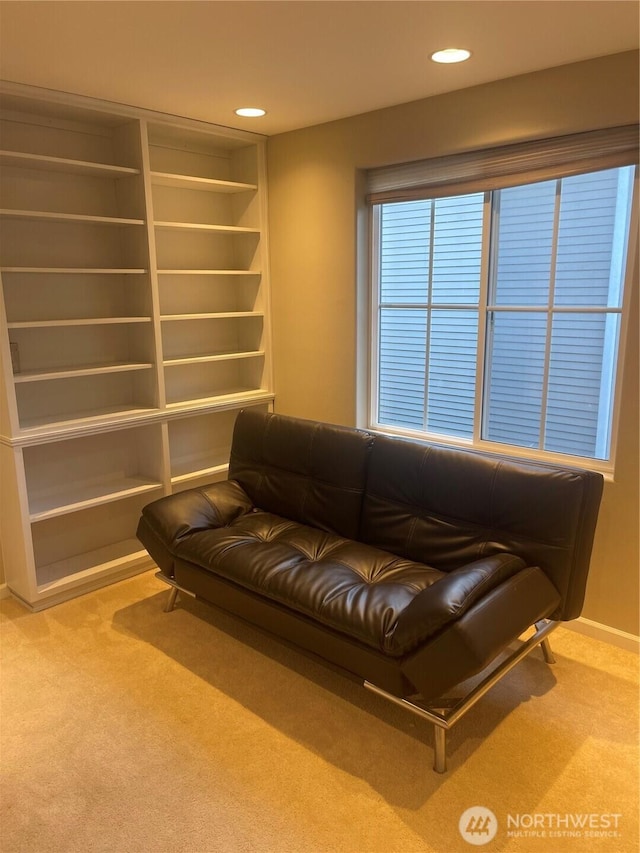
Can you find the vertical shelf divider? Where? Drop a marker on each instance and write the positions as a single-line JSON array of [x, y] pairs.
[[153, 266]]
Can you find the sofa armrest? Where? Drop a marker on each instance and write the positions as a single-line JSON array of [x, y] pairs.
[[450, 597], [172, 518]]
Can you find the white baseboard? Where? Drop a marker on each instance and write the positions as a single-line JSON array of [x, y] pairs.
[[598, 631], [4, 591]]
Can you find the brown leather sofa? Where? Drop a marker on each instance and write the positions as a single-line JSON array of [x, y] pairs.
[[412, 567]]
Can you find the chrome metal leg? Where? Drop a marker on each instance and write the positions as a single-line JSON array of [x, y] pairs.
[[440, 751], [444, 714], [171, 600], [546, 651], [173, 592]]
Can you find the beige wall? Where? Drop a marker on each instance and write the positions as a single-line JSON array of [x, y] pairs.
[[315, 210]]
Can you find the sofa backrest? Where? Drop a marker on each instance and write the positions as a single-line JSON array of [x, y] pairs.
[[447, 507], [306, 471]]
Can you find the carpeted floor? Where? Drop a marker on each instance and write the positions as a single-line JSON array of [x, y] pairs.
[[131, 730]]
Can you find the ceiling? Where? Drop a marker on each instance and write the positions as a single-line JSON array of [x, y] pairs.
[[305, 62]]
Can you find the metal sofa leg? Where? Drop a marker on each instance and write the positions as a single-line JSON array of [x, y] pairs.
[[440, 749], [173, 592], [171, 600], [544, 644], [445, 713], [546, 651]]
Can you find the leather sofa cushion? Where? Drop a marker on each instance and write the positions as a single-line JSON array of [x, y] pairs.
[[387, 602], [450, 507], [309, 472]]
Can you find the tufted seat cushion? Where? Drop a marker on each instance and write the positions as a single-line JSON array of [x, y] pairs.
[[350, 587]]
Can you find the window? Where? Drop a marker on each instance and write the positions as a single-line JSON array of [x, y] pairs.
[[497, 314]]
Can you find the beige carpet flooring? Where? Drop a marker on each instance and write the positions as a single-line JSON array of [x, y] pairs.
[[131, 730]]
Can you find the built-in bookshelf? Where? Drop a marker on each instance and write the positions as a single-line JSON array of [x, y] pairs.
[[134, 325]]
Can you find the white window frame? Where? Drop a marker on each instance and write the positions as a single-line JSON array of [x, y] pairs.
[[605, 467]]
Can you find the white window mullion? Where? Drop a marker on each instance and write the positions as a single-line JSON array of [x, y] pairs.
[[552, 289], [627, 273], [616, 282], [376, 307], [490, 219], [429, 309], [607, 383]]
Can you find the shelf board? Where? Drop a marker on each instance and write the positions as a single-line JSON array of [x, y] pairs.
[[219, 315], [48, 216], [84, 321], [202, 226], [80, 569], [73, 270], [71, 372], [203, 359], [85, 495], [62, 164], [240, 395], [197, 474], [166, 179], [209, 272], [83, 418]]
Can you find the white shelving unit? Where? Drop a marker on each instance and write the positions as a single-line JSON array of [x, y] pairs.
[[134, 325]]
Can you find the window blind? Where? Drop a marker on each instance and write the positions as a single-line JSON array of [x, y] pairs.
[[505, 166]]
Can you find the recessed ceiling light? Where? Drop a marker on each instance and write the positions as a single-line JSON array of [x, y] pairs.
[[451, 54], [250, 112]]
